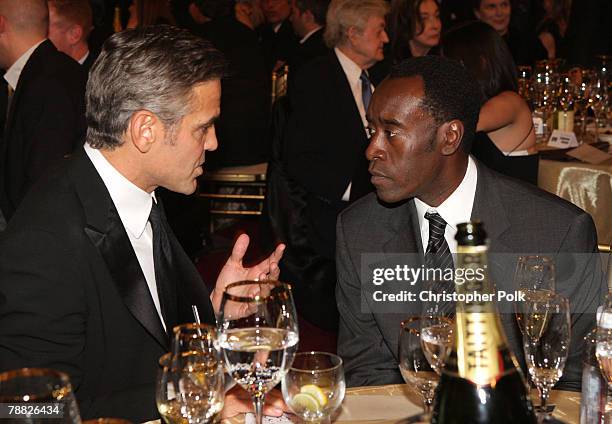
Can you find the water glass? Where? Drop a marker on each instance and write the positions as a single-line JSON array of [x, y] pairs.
[[314, 386], [259, 336]]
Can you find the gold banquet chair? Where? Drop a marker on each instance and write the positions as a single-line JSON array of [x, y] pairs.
[[279, 83], [236, 191]]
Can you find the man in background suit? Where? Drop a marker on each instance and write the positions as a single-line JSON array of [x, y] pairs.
[[46, 116], [308, 19], [70, 23], [279, 40], [92, 279], [422, 121], [326, 139]]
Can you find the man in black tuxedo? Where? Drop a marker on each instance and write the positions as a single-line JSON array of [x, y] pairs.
[[92, 279], [422, 120], [46, 116], [326, 140], [279, 40], [308, 19], [70, 23]]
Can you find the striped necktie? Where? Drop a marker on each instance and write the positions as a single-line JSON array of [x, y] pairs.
[[366, 90], [438, 256]]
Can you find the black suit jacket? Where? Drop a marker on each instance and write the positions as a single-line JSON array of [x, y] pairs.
[[73, 296], [313, 47], [279, 45], [519, 219], [46, 121], [243, 127]]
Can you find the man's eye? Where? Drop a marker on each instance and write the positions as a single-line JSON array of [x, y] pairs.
[[370, 131], [390, 133]]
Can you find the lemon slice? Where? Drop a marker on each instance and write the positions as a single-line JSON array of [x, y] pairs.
[[305, 401], [316, 392]]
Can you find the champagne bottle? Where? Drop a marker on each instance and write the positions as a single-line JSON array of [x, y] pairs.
[[481, 381]]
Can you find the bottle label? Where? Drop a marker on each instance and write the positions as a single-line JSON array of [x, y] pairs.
[[479, 337]]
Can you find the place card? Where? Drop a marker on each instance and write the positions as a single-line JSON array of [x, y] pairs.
[[589, 154], [562, 139], [538, 125]]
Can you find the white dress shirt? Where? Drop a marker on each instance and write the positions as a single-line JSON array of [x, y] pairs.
[[457, 208], [353, 74], [134, 207], [14, 72]]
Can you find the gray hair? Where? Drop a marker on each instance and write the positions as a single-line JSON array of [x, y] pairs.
[[154, 68], [343, 14]]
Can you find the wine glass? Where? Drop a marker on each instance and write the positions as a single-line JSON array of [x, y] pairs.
[[314, 386], [44, 393], [603, 349], [190, 385], [413, 363], [546, 341], [259, 335], [598, 102], [535, 278]]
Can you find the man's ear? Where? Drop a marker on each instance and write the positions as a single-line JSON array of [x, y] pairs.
[[451, 134], [75, 33], [352, 33], [144, 130], [3, 24]]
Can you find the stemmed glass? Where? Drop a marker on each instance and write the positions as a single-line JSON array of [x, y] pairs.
[[413, 363], [259, 335], [314, 386], [535, 278], [190, 384], [598, 102], [603, 349], [44, 392], [546, 341]]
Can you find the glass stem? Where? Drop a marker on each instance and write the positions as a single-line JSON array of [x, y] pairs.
[[258, 404], [544, 392], [427, 404]]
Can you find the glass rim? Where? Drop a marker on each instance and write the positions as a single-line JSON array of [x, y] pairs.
[[404, 323], [209, 328], [64, 382], [315, 352], [256, 299], [34, 372]]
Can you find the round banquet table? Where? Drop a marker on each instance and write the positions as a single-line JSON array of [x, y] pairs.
[[388, 404]]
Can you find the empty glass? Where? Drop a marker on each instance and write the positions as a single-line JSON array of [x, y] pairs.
[[413, 363], [546, 341]]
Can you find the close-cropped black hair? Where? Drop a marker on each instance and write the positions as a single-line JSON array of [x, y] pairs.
[[451, 92], [485, 54]]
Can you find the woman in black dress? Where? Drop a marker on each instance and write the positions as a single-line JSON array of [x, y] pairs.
[[505, 140]]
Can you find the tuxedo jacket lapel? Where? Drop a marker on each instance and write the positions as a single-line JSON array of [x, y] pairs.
[[106, 231]]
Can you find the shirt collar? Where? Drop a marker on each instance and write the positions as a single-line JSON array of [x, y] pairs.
[[133, 204], [307, 36], [457, 208], [350, 68], [84, 58], [14, 72]]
